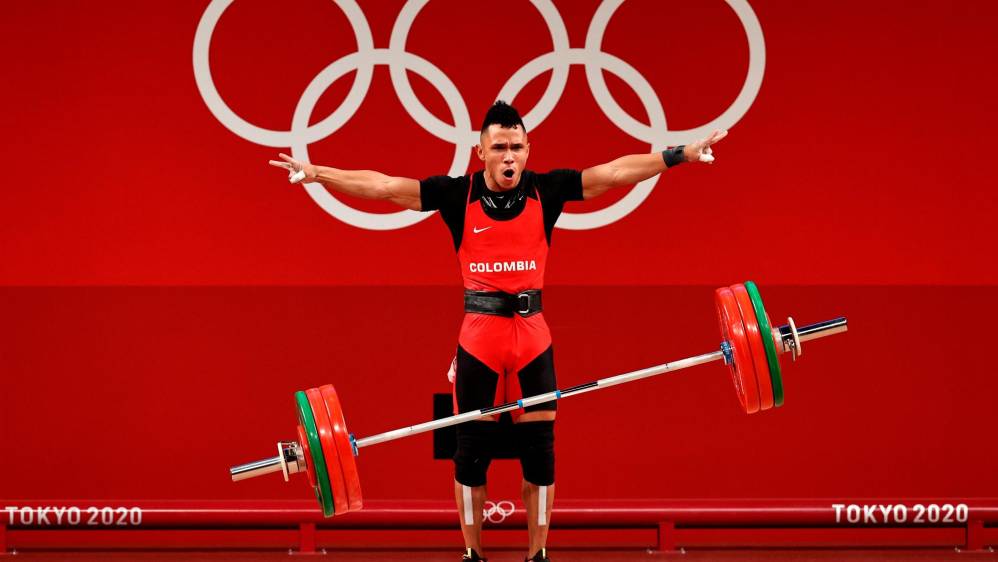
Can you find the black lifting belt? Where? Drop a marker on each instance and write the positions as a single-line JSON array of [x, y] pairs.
[[526, 303]]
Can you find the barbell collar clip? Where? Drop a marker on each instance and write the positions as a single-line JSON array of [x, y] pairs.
[[290, 460], [812, 331], [256, 468]]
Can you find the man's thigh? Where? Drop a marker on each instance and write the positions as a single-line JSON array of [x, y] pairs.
[[474, 383], [536, 377]]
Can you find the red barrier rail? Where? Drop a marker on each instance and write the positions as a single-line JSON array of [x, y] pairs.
[[441, 514], [665, 524]]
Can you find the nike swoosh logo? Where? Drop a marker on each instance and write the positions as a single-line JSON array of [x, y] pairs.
[[477, 230]]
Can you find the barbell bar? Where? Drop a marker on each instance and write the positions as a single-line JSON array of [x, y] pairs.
[[750, 346]]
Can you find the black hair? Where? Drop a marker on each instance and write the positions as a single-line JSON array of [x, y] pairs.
[[504, 115]]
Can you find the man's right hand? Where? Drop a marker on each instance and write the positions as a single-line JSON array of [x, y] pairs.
[[701, 151], [366, 184], [298, 171]]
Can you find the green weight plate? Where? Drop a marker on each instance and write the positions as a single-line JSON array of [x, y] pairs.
[[323, 490], [767, 340]]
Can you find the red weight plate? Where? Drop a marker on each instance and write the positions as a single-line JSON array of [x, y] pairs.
[[733, 332], [333, 465], [342, 437], [309, 469], [755, 346]]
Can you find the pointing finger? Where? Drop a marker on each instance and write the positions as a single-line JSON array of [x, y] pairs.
[[716, 136]]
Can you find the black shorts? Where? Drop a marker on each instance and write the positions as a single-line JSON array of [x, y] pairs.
[[476, 386]]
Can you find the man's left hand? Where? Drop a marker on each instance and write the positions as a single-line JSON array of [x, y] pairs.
[[700, 150]]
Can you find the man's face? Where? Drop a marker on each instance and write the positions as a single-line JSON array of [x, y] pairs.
[[504, 152]]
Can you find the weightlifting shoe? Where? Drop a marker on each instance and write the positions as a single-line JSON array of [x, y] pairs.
[[541, 556], [472, 556]]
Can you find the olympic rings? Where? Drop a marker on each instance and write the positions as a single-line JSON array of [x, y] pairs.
[[559, 60], [498, 511]]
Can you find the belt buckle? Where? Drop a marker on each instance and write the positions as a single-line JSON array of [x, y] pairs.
[[523, 301]]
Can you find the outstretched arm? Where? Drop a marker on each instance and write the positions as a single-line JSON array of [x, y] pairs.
[[360, 183], [629, 170]]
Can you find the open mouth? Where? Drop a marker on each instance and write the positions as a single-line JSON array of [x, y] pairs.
[[508, 173]]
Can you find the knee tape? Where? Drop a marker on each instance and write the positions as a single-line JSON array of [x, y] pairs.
[[475, 441], [536, 443]]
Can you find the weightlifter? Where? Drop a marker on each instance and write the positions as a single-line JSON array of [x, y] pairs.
[[501, 219]]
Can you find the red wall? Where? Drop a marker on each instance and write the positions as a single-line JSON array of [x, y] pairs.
[[152, 393], [164, 291], [863, 160]]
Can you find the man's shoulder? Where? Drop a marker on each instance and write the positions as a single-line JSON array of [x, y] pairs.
[[553, 177], [445, 187], [442, 192], [554, 172], [559, 185], [446, 181]]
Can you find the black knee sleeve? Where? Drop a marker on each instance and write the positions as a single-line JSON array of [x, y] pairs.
[[536, 443], [475, 441]]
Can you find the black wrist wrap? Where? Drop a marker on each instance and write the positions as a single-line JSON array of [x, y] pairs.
[[673, 156]]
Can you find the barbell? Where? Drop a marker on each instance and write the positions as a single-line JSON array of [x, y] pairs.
[[750, 346]]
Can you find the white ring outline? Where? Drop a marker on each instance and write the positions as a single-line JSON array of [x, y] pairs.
[[627, 73], [443, 131], [299, 148], [268, 137]]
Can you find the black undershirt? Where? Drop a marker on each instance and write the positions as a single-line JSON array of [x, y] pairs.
[[450, 194]]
